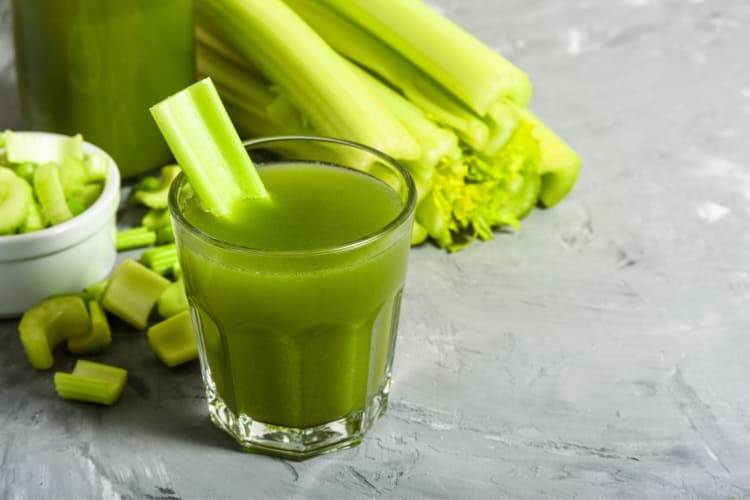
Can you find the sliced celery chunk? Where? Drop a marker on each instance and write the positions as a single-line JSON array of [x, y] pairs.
[[160, 259], [172, 300], [134, 237], [173, 340], [24, 147], [15, 199], [92, 383], [155, 219], [50, 322], [157, 198], [165, 235], [34, 219], [96, 166], [96, 290], [51, 195], [132, 292], [99, 335]]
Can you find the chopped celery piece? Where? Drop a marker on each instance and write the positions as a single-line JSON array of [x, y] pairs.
[[96, 166], [165, 235], [95, 290], [172, 300], [160, 259], [75, 206], [155, 219], [132, 292], [134, 237], [24, 147], [92, 383], [148, 183], [25, 170], [15, 199], [207, 147], [464, 65], [177, 270], [173, 340], [88, 194], [99, 335], [49, 191], [72, 172], [317, 80], [34, 219], [50, 322], [157, 197]]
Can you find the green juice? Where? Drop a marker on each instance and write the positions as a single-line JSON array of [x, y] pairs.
[[95, 67], [294, 331]]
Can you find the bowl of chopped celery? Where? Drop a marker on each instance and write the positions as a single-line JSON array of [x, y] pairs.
[[59, 197]]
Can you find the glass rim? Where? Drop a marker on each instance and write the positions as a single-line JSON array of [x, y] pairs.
[[396, 222]]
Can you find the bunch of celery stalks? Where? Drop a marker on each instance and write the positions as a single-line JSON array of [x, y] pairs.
[[398, 76]]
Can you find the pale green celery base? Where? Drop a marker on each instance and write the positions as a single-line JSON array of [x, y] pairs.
[[293, 442]]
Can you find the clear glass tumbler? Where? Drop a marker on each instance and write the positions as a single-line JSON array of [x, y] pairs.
[[296, 345]]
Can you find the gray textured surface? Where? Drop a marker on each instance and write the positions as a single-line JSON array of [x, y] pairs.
[[601, 352]]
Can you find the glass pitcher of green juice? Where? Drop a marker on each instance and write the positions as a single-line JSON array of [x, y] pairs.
[[95, 66]]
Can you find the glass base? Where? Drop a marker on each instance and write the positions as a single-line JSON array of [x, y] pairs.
[[294, 442]]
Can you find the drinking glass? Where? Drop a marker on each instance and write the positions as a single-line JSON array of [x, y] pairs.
[[296, 346]]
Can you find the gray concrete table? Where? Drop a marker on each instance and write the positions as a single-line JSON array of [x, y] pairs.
[[601, 352]]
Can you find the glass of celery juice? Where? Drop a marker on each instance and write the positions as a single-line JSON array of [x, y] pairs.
[[296, 299]]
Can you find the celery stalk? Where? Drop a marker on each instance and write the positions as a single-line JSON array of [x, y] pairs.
[[435, 141], [92, 383], [132, 292], [173, 340], [308, 71], [559, 165], [459, 61], [369, 51], [206, 41], [207, 147], [249, 99], [50, 322]]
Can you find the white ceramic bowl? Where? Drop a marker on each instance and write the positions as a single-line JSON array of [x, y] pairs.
[[64, 258]]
